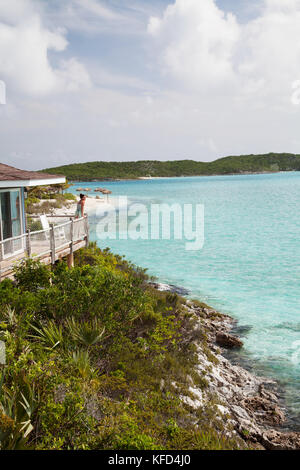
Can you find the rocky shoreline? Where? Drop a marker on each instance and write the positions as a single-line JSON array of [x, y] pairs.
[[248, 404]]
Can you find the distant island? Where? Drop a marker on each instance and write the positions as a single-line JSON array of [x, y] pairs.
[[243, 164]]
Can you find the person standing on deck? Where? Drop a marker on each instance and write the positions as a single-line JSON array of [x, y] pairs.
[[80, 207]]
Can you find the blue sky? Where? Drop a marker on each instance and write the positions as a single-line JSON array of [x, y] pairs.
[[134, 79]]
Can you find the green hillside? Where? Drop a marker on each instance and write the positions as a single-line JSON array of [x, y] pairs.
[[271, 162]]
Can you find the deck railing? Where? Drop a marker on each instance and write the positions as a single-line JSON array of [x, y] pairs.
[[43, 243]]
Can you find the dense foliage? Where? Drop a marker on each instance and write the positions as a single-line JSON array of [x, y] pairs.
[[271, 162], [97, 359]]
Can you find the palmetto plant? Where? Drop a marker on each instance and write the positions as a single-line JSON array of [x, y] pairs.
[[86, 333], [81, 360], [15, 416], [8, 316], [50, 335]]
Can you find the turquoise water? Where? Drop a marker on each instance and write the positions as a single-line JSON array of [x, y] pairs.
[[249, 266]]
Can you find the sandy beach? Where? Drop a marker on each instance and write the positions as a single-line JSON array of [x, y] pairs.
[[92, 206]]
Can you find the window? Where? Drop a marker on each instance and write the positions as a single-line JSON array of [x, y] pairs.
[[11, 221]]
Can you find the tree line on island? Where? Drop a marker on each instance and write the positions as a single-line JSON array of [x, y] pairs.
[[101, 170]]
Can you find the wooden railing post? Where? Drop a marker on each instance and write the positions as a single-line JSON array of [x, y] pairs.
[[72, 235], [28, 243], [87, 231], [52, 243], [70, 257]]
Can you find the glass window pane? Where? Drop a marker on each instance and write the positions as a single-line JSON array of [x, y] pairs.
[[6, 215], [11, 225], [15, 213]]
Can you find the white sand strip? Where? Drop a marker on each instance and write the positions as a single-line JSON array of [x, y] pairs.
[[92, 206]]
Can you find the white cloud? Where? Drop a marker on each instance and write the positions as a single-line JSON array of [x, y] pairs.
[[201, 47], [73, 76], [271, 45], [198, 41], [24, 46], [225, 89]]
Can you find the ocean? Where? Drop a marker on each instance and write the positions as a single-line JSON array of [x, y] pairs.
[[249, 266]]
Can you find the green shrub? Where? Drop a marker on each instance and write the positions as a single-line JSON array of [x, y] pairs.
[[31, 275], [69, 197], [96, 359]]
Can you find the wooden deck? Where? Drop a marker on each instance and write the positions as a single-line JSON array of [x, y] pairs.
[[48, 245]]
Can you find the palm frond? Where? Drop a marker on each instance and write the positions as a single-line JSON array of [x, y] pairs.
[[85, 333], [50, 335]]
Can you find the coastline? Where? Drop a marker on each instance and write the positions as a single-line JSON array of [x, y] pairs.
[[92, 205], [247, 404], [149, 178]]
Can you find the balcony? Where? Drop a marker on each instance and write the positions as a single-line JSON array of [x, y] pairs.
[[49, 245]]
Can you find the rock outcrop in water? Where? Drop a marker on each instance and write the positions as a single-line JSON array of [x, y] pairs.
[[226, 340], [170, 288]]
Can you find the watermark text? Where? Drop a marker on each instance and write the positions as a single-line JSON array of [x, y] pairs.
[[137, 221]]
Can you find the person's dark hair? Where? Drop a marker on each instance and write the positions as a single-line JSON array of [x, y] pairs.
[[82, 196]]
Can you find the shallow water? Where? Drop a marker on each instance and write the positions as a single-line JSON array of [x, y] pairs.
[[249, 266]]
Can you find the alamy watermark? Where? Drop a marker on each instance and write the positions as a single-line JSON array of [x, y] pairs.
[[2, 92], [137, 221]]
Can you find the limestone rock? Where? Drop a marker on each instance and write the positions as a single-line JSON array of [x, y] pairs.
[[264, 410], [275, 440], [226, 340], [245, 406]]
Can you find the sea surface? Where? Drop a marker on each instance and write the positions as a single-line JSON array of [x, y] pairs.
[[249, 266]]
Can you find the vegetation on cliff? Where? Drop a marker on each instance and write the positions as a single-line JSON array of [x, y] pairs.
[[98, 359], [271, 162]]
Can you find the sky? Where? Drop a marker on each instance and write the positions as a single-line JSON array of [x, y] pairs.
[[118, 80]]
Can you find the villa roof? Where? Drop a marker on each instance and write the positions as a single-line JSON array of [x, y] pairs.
[[13, 177]]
